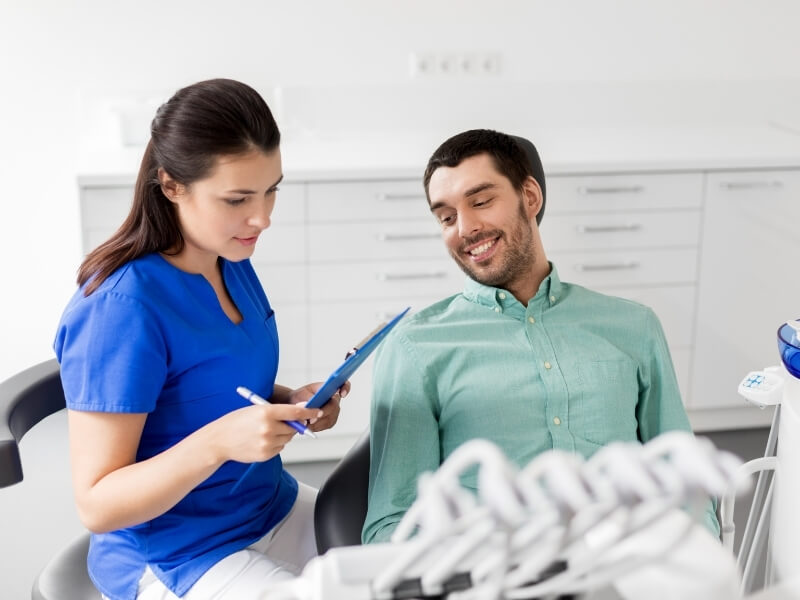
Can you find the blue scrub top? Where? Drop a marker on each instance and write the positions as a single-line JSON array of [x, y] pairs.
[[154, 339]]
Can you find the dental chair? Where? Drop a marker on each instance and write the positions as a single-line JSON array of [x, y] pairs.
[[26, 399]]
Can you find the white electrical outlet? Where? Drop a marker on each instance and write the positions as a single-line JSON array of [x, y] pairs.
[[435, 65]]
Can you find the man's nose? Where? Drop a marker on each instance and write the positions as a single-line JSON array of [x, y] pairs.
[[468, 224]]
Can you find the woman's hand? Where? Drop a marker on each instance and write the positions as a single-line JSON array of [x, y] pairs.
[[257, 433], [331, 408]]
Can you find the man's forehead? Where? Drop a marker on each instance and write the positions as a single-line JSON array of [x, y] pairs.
[[470, 174]]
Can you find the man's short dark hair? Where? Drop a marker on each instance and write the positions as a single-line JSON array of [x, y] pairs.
[[514, 157]]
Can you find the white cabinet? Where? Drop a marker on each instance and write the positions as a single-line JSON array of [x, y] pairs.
[[749, 282], [635, 236], [712, 253]]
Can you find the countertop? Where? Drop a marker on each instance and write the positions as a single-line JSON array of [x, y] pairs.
[[402, 155]]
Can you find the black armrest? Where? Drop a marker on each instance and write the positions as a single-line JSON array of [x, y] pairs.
[[342, 500], [25, 399]]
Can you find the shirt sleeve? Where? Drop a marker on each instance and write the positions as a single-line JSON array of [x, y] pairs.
[[112, 354], [404, 436], [660, 407]]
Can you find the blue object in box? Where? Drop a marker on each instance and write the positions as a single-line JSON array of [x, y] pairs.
[[789, 346]]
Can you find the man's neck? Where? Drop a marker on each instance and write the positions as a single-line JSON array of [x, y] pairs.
[[526, 288]]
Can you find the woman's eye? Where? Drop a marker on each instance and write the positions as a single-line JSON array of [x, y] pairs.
[[234, 201], [273, 190]]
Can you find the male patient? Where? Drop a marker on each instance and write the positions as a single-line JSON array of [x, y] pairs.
[[520, 358]]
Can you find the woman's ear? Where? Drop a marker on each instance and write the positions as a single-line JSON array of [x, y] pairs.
[[532, 194], [169, 187]]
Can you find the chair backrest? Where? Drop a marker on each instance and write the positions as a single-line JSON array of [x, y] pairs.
[[25, 399], [342, 500], [536, 168]]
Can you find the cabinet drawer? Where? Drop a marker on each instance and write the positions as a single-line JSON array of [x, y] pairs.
[[682, 360], [354, 414], [630, 230], [399, 280], [105, 207], [338, 326], [376, 241], [367, 201], [674, 306], [282, 243], [283, 284], [290, 203], [604, 193], [619, 268], [292, 322]]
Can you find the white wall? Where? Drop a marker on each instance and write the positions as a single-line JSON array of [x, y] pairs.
[[61, 58], [58, 57]]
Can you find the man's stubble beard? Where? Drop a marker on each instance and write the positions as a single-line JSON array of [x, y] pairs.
[[518, 261]]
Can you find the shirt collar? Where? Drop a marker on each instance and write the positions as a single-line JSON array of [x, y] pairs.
[[548, 295]]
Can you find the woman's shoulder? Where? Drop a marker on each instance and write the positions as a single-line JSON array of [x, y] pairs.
[[139, 280], [138, 274]]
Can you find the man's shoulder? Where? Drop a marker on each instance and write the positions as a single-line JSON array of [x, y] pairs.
[[605, 302], [438, 313]]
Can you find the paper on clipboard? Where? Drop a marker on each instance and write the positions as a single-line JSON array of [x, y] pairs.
[[355, 358]]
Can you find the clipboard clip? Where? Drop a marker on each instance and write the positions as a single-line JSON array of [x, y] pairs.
[[358, 346]]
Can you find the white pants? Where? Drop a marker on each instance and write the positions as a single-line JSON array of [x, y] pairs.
[[247, 574]]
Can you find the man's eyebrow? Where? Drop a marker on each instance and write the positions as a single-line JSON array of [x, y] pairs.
[[481, 187]]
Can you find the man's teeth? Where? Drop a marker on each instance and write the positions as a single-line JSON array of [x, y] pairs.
[[482, 248]]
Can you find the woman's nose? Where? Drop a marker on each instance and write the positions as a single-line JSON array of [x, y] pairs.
[[261, 216]]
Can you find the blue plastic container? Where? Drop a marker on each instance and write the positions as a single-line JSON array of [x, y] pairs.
[[789, 346]]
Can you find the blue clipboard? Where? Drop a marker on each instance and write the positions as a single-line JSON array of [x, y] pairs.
[[355, 358]]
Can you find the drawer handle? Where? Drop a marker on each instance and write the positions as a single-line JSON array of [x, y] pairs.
[[751, 185], [406, 237], [608, 228], [630, 264], [407, 276], [618, 189], [392, 197]]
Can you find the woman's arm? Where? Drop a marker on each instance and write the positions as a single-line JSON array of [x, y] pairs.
[[113, 491]]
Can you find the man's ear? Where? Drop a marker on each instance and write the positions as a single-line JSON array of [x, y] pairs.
[[532, 195], [169, 187]]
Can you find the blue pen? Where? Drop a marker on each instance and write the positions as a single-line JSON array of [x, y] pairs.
[[256, 399]]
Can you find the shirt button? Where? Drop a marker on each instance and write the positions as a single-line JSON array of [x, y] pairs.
[[502, 295], [556, 420], [552, 298], [496, 309], [547, 365], [531, 320]]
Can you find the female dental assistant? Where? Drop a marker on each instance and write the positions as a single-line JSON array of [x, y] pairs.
[[169, 319]]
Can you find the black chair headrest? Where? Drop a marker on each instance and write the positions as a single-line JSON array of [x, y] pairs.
[[536, 168]]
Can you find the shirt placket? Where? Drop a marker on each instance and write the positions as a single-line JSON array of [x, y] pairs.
[[555, 386]]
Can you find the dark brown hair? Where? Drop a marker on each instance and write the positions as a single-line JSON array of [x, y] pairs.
[[514, 157], [199, 124]]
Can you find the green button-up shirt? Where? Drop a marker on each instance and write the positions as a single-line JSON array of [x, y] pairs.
[[573, 370]]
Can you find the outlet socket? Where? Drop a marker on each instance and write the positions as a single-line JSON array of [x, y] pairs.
[[436, 65]]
